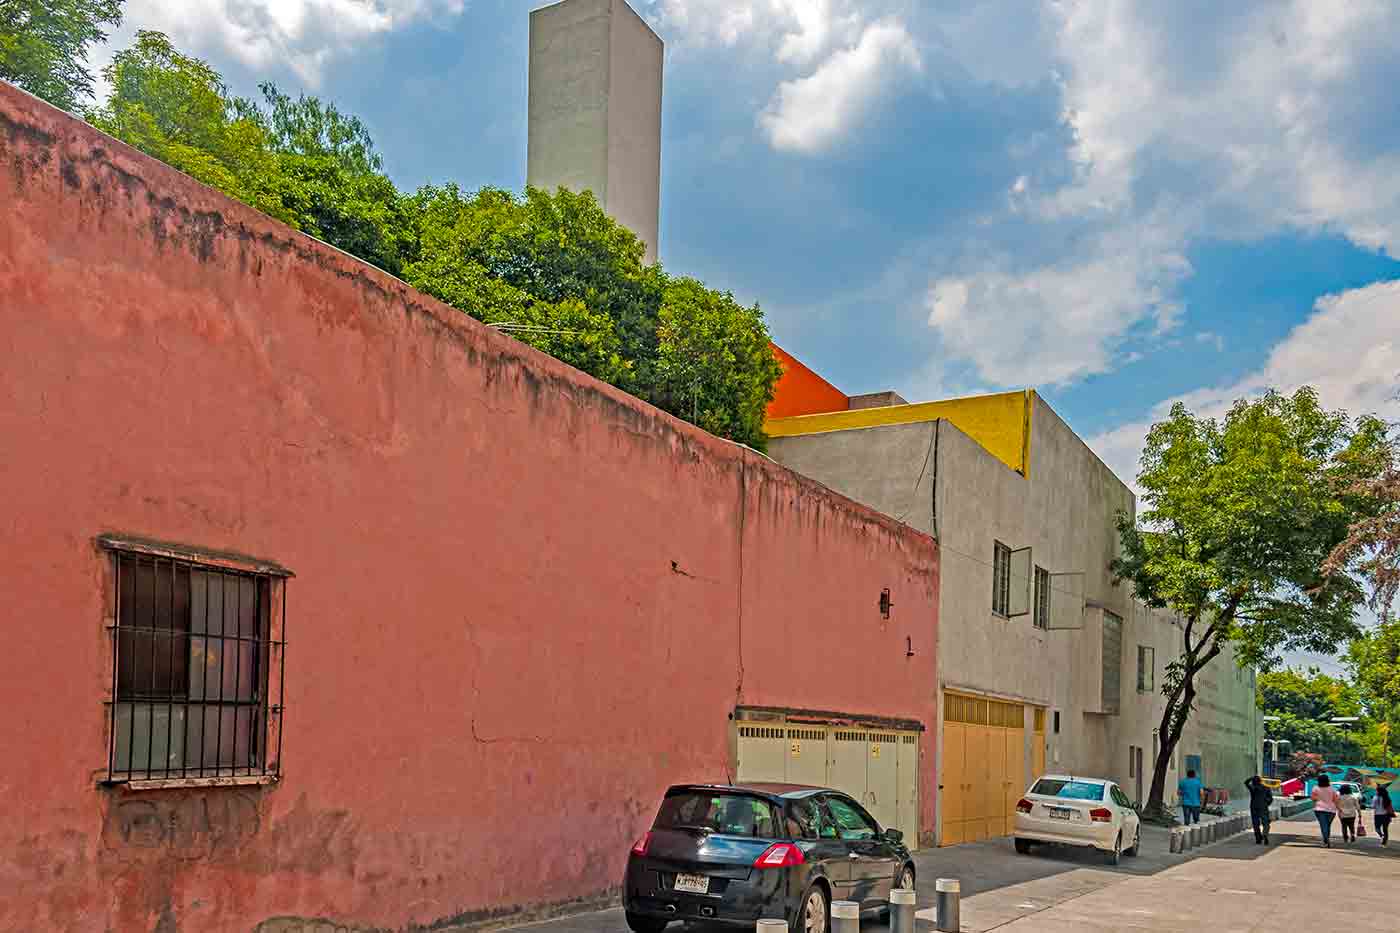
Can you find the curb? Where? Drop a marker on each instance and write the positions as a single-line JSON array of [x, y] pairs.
[[1216, 829]]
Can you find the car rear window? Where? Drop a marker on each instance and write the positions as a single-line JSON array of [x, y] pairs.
[[718, 812], [1068, 790]]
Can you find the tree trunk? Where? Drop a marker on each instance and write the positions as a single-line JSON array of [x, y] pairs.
[[1173, 724]]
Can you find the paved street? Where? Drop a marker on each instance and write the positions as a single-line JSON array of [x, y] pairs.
[[1233, 885]]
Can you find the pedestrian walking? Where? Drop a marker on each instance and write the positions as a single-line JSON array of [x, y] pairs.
[[1189, 790], [1384, 812], [1325, 797], [1348, 809], [1260, 799]]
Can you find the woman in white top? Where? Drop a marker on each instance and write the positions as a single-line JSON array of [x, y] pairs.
[[1348, 809], [1325, 798], [1385, 812]]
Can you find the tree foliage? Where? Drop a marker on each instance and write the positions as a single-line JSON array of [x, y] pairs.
[[551, 269], [44, 45], [1372, 544], [1301, 706], [1240, 515], [177, 109]]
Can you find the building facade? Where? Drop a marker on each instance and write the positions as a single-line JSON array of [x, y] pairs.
[[1039, 648], [595, 109], [329, 608]]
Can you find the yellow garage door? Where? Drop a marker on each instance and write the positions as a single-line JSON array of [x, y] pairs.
[[983, 767]]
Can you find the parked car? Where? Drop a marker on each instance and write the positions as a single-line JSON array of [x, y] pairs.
[[739, 853], [1078, 811]]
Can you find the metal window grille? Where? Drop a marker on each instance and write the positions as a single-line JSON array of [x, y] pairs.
[[193, 665], [1041, 617], [1001, 579]]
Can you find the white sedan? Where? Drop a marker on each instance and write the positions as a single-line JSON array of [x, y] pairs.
[[1078, 811]]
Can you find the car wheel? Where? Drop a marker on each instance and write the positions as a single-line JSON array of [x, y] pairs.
[[1112, 857], [814, 913], [903, 881], [1023, 846], [639, 924], [1132, 850]]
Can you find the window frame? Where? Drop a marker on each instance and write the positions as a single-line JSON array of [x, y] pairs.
[[1001, 579], [1040, 612], [149, 559], [872, 825], [1149, 683]]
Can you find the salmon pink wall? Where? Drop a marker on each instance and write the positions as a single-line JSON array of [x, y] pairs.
[[524, 602]]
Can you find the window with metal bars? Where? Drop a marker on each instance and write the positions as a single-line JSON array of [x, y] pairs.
[[197, 669], [1041, 617], [1001, 579]]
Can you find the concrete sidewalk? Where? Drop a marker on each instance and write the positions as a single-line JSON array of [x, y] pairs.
[[1293, 884]]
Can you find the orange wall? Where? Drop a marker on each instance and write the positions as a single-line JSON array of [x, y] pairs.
[[802, 392], [525, 601]]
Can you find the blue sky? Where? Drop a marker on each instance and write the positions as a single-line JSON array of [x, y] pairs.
[[1119, 203]]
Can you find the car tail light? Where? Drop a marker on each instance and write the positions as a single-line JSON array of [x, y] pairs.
[[1024, 806], [1101, 815], [640, 848], [780, 855]]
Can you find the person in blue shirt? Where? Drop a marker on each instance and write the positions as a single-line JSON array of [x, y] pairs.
[[1189, 790]]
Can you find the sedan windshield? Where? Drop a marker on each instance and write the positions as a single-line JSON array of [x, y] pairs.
[[717, 812], [1068, 790]]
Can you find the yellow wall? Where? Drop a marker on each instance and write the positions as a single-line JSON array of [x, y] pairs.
[[1000, 423]]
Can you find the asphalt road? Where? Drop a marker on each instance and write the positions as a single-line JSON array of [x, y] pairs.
[[999, 886]]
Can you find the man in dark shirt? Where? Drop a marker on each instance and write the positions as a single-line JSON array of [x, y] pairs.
[[1260, 799]]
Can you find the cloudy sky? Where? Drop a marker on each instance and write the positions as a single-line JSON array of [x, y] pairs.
[[1119, 202]]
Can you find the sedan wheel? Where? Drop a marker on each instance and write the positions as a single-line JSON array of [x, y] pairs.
[[1113, 857], [1137, 843], [814, 912]]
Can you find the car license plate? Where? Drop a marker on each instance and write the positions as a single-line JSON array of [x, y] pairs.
[[693, 884], [1060, 814]]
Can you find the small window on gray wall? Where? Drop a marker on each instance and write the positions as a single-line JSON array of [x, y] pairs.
[[1147, 669], [1041, 617], [1001, 579]]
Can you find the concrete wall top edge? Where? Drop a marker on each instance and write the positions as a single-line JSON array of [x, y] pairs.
[[198, 217]]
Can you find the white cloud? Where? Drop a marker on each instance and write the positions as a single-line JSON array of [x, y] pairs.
[[302, 35], [810, 114], [1269, 104], [798, 30], [1063, 321], [1349, 350]]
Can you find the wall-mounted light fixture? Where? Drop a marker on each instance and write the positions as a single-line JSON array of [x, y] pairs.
[[885, 603]]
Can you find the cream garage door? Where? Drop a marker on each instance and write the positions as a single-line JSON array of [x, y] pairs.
[[877, 767], [983, 768]]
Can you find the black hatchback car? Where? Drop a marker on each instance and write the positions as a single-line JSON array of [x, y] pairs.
[[740, 853]]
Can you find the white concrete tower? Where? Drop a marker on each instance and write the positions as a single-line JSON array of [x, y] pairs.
[[595, 109]]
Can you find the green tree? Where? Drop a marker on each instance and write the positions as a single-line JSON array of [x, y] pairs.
[[1302, 706], [1372, 544], [714, 364], [1310, 695], [555, 271], [177, 109], [1374, 660], [330, 179], [1240, 515], [44, 45]]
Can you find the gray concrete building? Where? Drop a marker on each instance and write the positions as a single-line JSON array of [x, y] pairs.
[[1045, 664], [595, 109]]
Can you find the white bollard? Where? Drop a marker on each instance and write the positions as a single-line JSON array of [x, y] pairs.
[[771, 926], [902, 904], [948, 901], [845, 917]]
